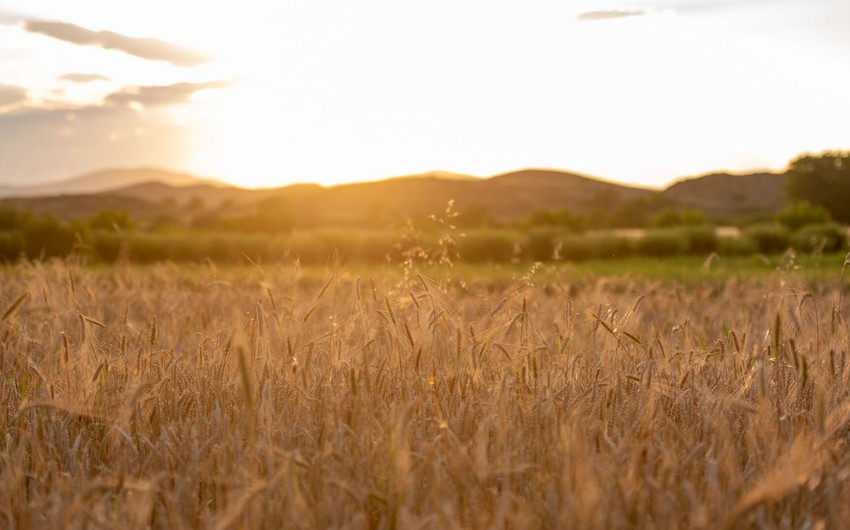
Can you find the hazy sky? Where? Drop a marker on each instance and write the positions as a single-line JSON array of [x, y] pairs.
[[272, 92]]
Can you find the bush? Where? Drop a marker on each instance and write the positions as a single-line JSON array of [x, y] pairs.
[[557, 218], [539, 244], [107, 245], [490, 246], [671, 218], [577, 248], [825, 237], [803, 213], [700, 239], [614, 247], [769, 238], [822, 179], [232, 248], [223, 248], [11, 245], [661, 243], [147, 248], [106, 220], [736, 246], [319, 246], [581, 248], [45, 236], [10, 218], [163, 223]]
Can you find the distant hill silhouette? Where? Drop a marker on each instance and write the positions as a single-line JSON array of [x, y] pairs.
[[437, 174], [208, 195], [533, 189], [109, 179], [508, 197], [720, 194]]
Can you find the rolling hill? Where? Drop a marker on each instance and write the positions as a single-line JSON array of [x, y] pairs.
[[507, 197], [721, 194], [532, 189], [106, 180]]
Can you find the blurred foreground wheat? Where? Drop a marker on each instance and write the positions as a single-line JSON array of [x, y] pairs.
[[165, 398]]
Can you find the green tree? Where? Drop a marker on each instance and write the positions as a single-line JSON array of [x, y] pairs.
[[631, 214], [10, 218], [822, 179], [475, 215], [163, 223], [556, 218], [111, 220], [670, 218], [46, 237], [801, 213], [273, 215]]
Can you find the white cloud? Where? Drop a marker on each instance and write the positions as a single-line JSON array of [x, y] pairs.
[[83, 78], [608, 14], [10, 95], [151, 49]]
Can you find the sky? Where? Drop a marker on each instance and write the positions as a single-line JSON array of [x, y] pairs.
[[268, 93]]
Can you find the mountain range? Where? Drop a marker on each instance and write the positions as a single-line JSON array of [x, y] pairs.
[[148, 192]]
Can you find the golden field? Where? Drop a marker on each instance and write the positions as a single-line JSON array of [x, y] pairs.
[[250, 397]]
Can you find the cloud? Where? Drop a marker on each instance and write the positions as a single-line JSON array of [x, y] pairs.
[[83, 78], [10, 94], [591, 16], [151, 49], [44, 144], [160, 95], [9, 17], [50, 141]]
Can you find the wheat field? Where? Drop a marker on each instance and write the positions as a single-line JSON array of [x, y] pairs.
[[243, 397]]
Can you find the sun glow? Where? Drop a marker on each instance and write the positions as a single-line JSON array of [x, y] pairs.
[[369, 110], [334, 92], [241, 142]]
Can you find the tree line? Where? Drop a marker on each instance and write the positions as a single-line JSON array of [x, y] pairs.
[[818, 188]]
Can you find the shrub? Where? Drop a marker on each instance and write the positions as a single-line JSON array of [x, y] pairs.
[[613, 247], [540, 244], [577, 248], [700, 239], [320, 246], [802, 213], [742, 245], [825, 237], [147, 248], [661, 243], [581, 248], [485, 246], [111, 220], [769, 238], [560, 218], [10, 218], [107, 245], [45, 236], [11, 245], [163, 223], [670, 218], [223, 248]]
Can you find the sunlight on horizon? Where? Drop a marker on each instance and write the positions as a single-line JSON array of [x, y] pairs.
[[338, 92], [363, 131]]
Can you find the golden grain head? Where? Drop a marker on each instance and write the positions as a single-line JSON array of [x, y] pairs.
[[618, 402]]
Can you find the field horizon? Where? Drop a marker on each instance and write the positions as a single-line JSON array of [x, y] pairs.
[[147, 194]]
